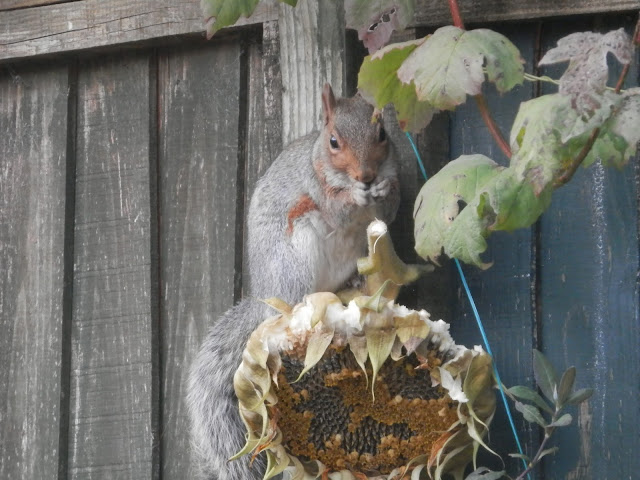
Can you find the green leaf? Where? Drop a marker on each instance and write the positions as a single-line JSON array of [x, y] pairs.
[[497, 198], [379, 85], [375, 20], [545, 375], [531, 414], [548, 451], [563, 421], [222, 13], [452, 63], [566, 385], [483, 473], [438, 206], [521, 456], [579, 396], [530, 395]]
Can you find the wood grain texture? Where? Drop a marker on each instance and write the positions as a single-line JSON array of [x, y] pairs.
[[312, 50], [111, 432], [503, 292], [13, 4], [436, 12], [264, 119], [199, 116], [589, 302], [88, 24], [33, 122]]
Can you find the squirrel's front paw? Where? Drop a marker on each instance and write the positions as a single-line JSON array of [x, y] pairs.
[[381, 189], [361, 194]]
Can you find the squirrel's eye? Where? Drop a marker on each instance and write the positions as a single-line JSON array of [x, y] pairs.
[[333, 142], [382, 135]]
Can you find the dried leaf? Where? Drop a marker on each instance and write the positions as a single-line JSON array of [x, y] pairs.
[[588, 70], [319, 340], [375, 20], [451, 64], [379, 345]]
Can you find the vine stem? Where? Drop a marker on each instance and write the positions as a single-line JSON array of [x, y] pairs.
[[455, 14], [480, 100]]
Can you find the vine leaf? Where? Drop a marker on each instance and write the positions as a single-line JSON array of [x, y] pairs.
[[379, 85], [451, 64], [223, 13], [468, 199], [586, 53], [438, 207], [375, 20]]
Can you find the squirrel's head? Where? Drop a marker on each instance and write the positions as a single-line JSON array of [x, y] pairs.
[[354, 137]]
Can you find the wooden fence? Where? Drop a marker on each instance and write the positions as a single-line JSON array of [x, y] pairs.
[[129, 146]]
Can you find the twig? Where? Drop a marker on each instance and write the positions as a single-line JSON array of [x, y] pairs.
[[455, 14], [480, 100], [536, 459]]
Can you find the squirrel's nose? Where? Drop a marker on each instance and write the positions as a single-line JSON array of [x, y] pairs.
[[367, 177]]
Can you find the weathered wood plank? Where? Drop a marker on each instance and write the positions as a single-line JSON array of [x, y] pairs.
[[589, 304], [503, 292], [312, 52], [264, 124], [33, 122], [13, 4], [436, 13], [199, 124], [111, 432], [97, 23], [87, 24]]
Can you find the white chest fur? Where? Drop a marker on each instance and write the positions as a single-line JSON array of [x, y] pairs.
[[333, 253]]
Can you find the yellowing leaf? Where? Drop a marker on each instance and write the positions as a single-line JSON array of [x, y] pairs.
[[451, 64], [438, 206], [379, 85], [222, 13]]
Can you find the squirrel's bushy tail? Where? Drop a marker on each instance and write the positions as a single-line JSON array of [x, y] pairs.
[[217, 432]]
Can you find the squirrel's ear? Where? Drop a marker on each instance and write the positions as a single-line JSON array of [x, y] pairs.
[[328, 103]]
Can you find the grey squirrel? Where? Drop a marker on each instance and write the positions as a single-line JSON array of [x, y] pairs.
[[307, 225]]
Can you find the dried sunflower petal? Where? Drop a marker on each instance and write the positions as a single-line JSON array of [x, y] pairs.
[[353, 392]]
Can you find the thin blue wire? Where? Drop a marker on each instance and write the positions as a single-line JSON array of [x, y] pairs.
[[479, 322]]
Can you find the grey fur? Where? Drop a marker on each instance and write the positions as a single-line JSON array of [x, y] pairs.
[[318, 254]]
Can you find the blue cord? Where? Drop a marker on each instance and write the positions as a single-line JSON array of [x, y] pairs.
[[479, 322]]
